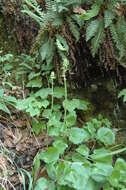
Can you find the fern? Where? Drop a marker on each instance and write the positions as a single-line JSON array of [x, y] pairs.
[[108, 18], [117, 41], [98, 39], [92, 29], [73, 27]]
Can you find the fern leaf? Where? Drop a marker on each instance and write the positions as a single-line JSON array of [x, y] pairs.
[[92, 29], [74, 29], [98, 39], [116, 40], [108, 18]]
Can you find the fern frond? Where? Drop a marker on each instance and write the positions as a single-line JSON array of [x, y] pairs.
[[92, 29], [117, 41], [108, 18], [73, 27], [98, 39]]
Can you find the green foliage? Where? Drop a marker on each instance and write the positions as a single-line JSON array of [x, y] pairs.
[[122, 94], [102, 15], [70, 161], [6, 101]]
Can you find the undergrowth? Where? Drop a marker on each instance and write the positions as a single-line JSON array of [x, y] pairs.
[[83, 155]]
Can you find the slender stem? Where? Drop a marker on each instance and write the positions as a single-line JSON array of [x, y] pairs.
[[52, 96], [65, 88]]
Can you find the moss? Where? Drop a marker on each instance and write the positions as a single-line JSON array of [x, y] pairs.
[[7, 43]]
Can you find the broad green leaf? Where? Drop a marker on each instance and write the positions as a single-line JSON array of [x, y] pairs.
[[51, 170], [76, 176], [43, 93], [102, 155], [114, 178], [91, 129], [33, 111], [106, 136], [59, 92], [76, 157], [47, 113], [71, 119], [61, 43], [4, 108], [45, 103], [91, 13], [53, 131], [50, 155], [35, 83], [92, 185], [78, 135], [10, 99], [73, 104], [100, 172], [44, 184], [61, 145], [120, 166], [83, 150]]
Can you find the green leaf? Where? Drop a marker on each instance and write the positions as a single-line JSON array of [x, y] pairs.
[[50, 155], [59, 92], [102, 155], [92, 29], [43, 93], [91, 13], [10, 99], [36, 164], [73, 104], [114, 178], [122, 94], [1, 93], [45, 48], [59, 187], [78, 135], [71, 119], [61, 145], [38, 126], [106, 136], [74, 175], [33, 75], [45, 103], [51, 170], [61, 43], [120, 166], [108, 18], [92, 185], [4, 108], [35, 83], [44, 184], [100, 172], [98, 39], [83, 150], [47, 113]]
